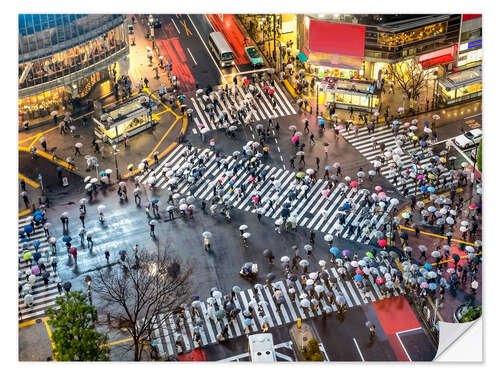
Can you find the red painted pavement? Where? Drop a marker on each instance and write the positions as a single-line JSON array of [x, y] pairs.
[[395, 315], [197, 355], [172, 50], [233, 35]]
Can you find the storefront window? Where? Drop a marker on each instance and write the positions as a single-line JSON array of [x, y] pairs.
[[393, 40], [41, 105]]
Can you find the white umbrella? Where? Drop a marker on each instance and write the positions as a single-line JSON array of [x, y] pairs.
[[78, 145], [153, 222], [101, 207], [428, 130], [122, 183], [246, 235], [243, 227], [87, 179], [436, 117], [285, 259], [94, 180], [88, 186], [108, 171], [207, 235], [309, 171], [83, 201], [328, 237]]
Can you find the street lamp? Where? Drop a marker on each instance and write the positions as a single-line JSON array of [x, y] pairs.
[[115, 152], [317, 98], [88, 280]]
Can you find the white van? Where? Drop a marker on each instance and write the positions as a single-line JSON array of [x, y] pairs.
[[261, 348], [221, 49]]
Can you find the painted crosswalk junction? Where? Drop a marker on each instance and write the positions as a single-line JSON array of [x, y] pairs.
[[312, 211], [167, 331], [261, 109], [363, 142], [43, 296]]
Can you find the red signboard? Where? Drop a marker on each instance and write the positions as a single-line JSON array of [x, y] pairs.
[[466, 17], [341, 39], [442, 52]]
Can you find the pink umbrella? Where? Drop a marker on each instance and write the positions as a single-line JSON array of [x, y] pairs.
[[379, 280], [339, 127], [420, 176], [382, 243], [325, 192], [270, 92], [295, 138], [255, 198], [221, 178], [406, 124], [251, 179], [353, 183], [381, 195], [377, 114], [35, 270], [359, 272], [378, 188], [472, 206], [245, 81], [424, 285]]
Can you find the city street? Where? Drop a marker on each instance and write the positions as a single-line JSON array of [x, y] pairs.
[[236, 171]]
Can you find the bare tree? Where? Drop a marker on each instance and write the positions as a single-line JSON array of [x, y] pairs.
[[142, 293], [410, 77]]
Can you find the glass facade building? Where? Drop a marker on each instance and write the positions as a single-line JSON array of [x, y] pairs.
[[63, 56]]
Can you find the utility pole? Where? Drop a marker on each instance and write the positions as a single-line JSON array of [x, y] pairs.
[[274, 38], [317, 98]]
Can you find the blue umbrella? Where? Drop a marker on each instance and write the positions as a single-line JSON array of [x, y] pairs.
[[412, 169], [358, 277], [28, 228], [25, 246], [102, 173], [37, 212], [334, 250], [66, 239], [24, 239], [423, 143], [227, 196], [155, 200], [37, 256], [432, 286], [321, 121], [395, 122], [431, 208], [36, 244], [21, 232], [248, 321], [347, 206], [38, 217], [327, 167], [431, 189], [423, 188], [426, 123], [231, 182], [427, 266]]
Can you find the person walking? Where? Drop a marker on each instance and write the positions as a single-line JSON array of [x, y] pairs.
[[77, 149], [417, 230], [206, 243], [43, 142], [306, 126], [311, 139], [106, 254], [26, 200], [152, 229], [317, 163], [59, 288], [82, 218], [90, 242]]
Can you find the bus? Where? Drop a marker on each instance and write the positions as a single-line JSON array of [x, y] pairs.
[[261, 348], [221, 49]]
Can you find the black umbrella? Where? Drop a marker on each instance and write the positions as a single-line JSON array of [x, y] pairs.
[[270, 276], [37, 256], [324, 275], [196, 298], [404, 235], [46, 275], [285, 212], [292, 277], [234, 312], [476, 259], [456, 257], [229, 307], [247, 314], [67, 286], [267, 253]]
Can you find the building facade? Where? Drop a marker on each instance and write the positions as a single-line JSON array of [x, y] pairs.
[[63, 56]]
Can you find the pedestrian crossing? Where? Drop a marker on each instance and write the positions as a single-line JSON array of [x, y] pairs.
[[310, 208], [204, 321], [258, 110], [43, 296], [363, 142]]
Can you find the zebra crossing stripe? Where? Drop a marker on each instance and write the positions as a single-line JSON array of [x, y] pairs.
[[264, 307], [156, 333], [230, 333], [341, 285], [208, 323], [282, 287], [299, 289], [245, 304]]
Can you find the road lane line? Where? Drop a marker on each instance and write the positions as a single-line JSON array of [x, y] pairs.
[[175, 25], [195, 63], [359, 351]]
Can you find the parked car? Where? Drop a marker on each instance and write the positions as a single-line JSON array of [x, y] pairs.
[[254, 57], [468, 139]]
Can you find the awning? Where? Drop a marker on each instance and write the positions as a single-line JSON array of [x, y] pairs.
[[445, 59]]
